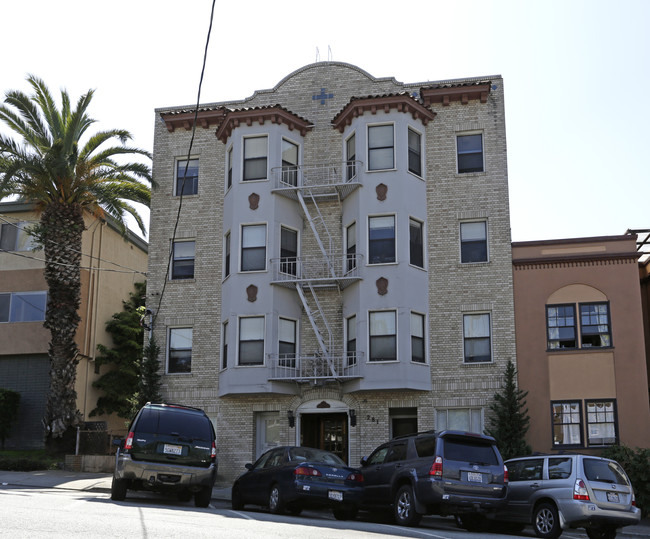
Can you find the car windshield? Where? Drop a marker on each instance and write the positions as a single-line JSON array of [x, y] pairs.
[[314, 455], [170, 421], [604, 470]]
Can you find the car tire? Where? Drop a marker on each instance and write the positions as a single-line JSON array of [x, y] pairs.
[[236, 499], [345, 513], [276, 503], [202, 497], [601, 532], [118, 489], [546, 522], [405, 513]]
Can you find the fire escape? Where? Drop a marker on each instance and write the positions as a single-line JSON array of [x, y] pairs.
[[307, 275]]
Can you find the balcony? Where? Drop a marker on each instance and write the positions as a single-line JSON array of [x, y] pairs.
[[313, 368], [320, 181], [342, 270]]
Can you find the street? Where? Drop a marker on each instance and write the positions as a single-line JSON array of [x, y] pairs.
[[39, 512]]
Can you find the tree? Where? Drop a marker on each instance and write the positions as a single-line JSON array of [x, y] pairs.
[[121, 382], [9, 401], [510, 420], [149, 389], [66, 178]]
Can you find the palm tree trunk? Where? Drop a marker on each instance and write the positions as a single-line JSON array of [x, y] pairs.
[[61, 229]]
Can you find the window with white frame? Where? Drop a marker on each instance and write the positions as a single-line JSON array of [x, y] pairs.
[[251, 340], [224, 345], [229, 178], [288, 251], [183, 260], [255, 158], [464, 419], [381, 143], [417, 338], [351, 340], [289, 162], [470, 153], [226, 255], [473, 242], [23, 306], [253, 248], [383, 335], [415, 152], [477, 341], [351, 247], [287, 342], [416, 243], [17, 237], [351, 157], [381, 239], [187, 177], [179, 351], [602, 428], [567, 423]]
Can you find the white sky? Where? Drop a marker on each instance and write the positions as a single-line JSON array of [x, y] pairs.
[[576, 76]]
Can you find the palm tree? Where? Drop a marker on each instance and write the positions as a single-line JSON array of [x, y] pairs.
[[65, 179]]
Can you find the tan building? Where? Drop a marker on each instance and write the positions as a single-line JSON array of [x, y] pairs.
[[580, 342], [111, 264]]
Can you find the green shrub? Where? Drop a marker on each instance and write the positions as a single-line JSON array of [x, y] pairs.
[[27, 461], [636, 463]]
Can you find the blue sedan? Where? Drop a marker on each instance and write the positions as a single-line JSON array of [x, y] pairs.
[[292, 478]]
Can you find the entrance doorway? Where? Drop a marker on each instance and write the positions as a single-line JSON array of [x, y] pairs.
[[325, 431]]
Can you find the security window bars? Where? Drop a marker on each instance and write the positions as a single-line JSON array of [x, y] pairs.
[[473, 242], [415, 152], [180, 350], [183, 260], [381, 147], [476, 331], [253, 248], [567, 423], [417, 338], [23, 306], [381, 239], [561, 326], [251, 340], [416, 243], [470, 153], [255, 158], [383, 336], [187, 177]]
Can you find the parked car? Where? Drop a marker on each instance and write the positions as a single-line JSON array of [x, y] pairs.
[[169, 448], [558, 492], [292, 478], [444, 473]]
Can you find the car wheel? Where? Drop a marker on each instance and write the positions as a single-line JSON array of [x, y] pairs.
[[184, 495], [603, 532], [118, 489], [202, 497], [276, 505], [345, 513], [405, 513], [236, 498], [546, 522]]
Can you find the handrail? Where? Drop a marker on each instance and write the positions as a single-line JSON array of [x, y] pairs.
[[315, 175], [310, 268], [297, 368]]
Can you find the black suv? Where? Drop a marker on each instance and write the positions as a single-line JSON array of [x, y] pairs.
[[169, 448], [443, 473]]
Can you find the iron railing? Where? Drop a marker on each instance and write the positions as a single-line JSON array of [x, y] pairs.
[[308, 368]]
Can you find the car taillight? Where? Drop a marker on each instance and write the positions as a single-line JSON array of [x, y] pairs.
[[129, 441], [213, 452], [580, 491], [436, 467], [357, 477], [633, 500], [505, 473], [304, 470]]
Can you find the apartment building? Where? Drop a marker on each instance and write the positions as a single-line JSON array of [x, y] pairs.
[[111, 264], [330, 260], [580, 343]]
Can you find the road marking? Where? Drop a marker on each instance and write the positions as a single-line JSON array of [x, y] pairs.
[[243, 515]]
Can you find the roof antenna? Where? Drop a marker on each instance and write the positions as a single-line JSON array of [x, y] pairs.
[[329, 53], [317, 55]]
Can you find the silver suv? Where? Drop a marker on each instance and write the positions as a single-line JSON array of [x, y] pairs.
[[558, 492]]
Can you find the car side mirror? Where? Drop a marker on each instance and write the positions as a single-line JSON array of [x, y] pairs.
[[364, 461], [248, 466]]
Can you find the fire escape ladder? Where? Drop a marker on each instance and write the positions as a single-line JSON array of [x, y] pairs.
[[317, 221]]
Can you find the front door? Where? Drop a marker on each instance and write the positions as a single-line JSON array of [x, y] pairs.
[[325, 431]]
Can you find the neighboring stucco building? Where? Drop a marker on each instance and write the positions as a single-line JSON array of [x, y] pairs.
[[341, 269], [580, 342], [111, 264]]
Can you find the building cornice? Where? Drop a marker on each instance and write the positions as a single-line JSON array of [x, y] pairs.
[[570, 261], [275, 113], [184, 119], [464, 93]]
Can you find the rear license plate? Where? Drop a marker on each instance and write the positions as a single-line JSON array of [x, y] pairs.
[[475, 477], [169, 449], [612, 497], [335, 495]]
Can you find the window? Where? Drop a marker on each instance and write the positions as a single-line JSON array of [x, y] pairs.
[[380, 147], [470, 153], [415, 152], [251, 340], [351, 340], [288, 251], [351, 157], [526, 470], [416, 243], [601, 422], [180, 350], [255, 152], [289, 162], [187, 177], [351, 247], [417, 338], [567, 423], [224, 345], [229, 178], [381, 239], [561, 326], [594, 325], [253, 248], [287, 342], [183, 260], [23, 306], [16, 237], [403, 421], [476, 332], [473, 242], [465, 419], [383, 336], [226, 255]]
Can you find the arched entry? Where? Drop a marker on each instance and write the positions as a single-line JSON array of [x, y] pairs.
[[324, 424]]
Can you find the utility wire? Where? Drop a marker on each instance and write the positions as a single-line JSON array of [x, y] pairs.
[[187, 163]]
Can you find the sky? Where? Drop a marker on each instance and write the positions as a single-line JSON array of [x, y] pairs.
[[575, 72]]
